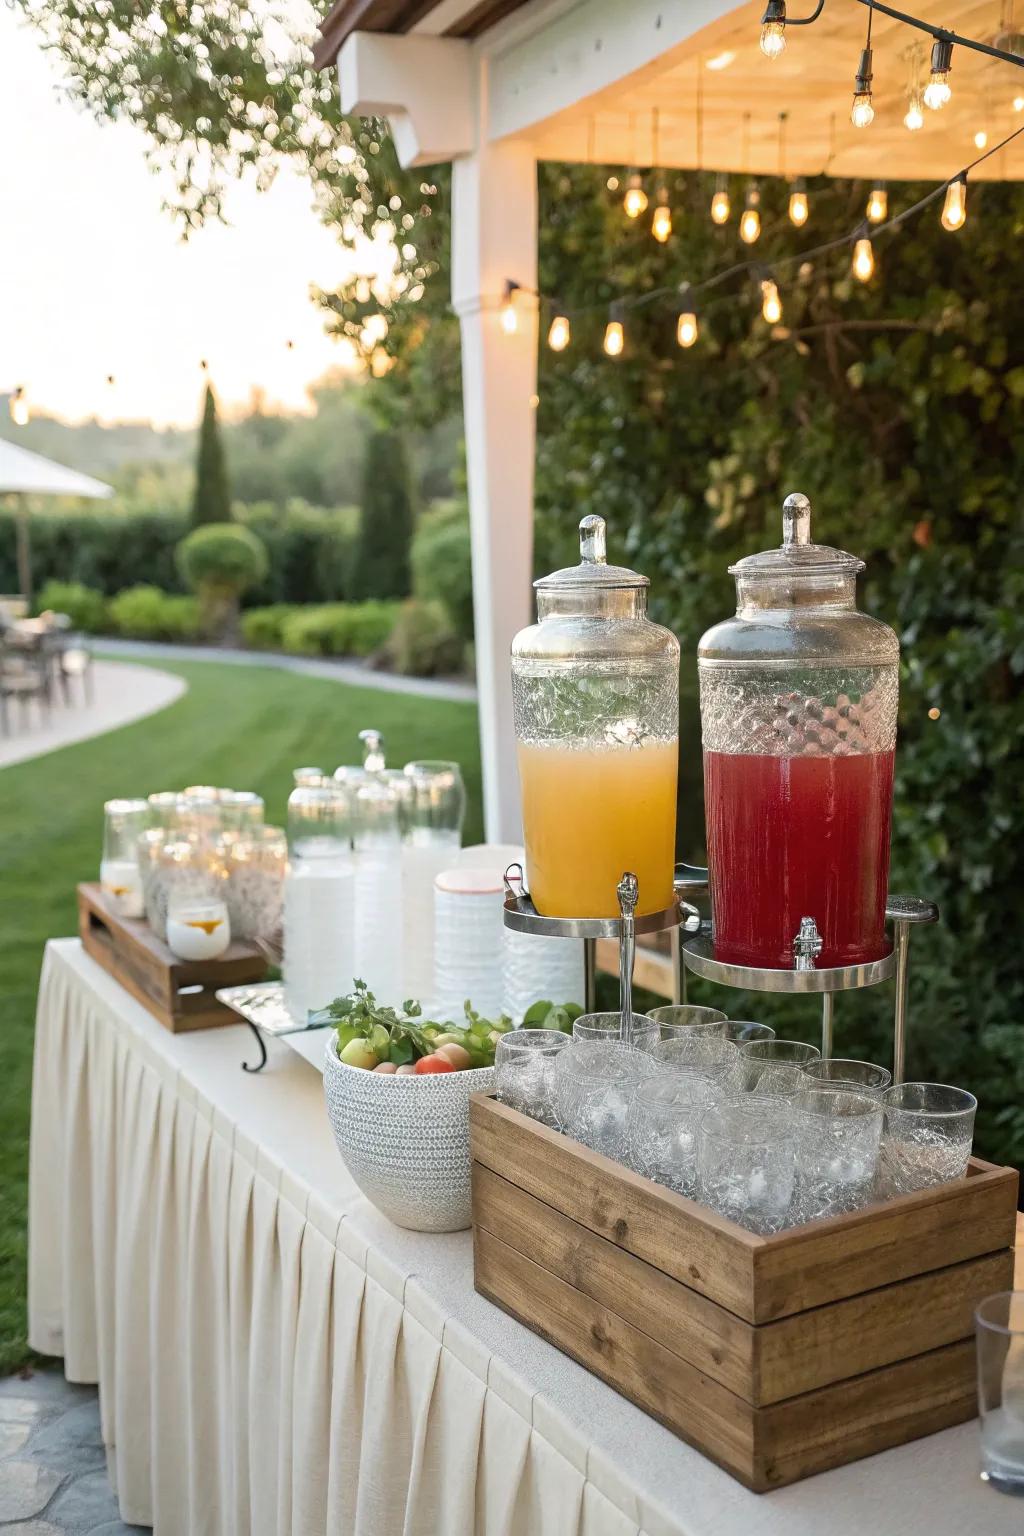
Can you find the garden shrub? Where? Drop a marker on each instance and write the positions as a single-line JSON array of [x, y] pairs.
[[423, 642], [220, 561], [146, 613], [381, 563], [84, 606], [339, 629], [262, 628], [310, 548], [442, 565]]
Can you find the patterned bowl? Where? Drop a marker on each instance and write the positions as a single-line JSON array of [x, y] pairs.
[[405, 1140]]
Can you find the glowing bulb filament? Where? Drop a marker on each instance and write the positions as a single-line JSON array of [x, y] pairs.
[[720, 207], [773, 39], [771, 304], [954, 209], [798, 207], [18, 406], [863, 260], [687, 329], [661, 224], [914, 118], [937, 92], [750, 225], [878, 205], [559, 334], [614, 339], [509, 318], [862, 112], [635, 200]]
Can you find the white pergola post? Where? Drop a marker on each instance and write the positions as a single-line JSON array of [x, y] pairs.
[[494, 239]]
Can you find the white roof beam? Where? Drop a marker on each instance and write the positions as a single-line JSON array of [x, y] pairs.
[[424, 86]]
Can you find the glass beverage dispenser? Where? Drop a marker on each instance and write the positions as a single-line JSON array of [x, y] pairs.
[[596, 692], [798, 697]]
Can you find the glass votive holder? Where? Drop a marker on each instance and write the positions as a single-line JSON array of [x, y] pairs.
[[927, 1136], [197, 929], [661, 1128], [746, 1161], [240, 810], [185, 865], [773, 1067], [677, 1019], [593, 1087], [740, 1031], [120, 878], [845, 1072], [840, 1132], [524, 1071], [256, 860], [163, 806], [195, 813], [999, 1337], [606, 1029]]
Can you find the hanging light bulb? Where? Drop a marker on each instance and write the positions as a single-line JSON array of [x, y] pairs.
[[750, 218], [687, 329], [559, 334], [773, 29], [863, 259], [862, 112], [18, 406], [913, 118], [1018, 103], [661, 224], [937, 92], [799, 208], [635, 200], [954, 209], [878, 203], [981, 139], [509, 318], [771, 304], [614, 336], [720, 201]]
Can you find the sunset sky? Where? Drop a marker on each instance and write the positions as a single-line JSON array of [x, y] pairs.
[[94, 279]]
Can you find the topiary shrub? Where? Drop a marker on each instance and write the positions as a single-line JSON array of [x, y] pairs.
[[146, 613], [423, 642], [442, 566], [84, 606], [381, 565], [220, 562]]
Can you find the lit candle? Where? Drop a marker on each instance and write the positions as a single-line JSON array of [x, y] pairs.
[[198, 932]]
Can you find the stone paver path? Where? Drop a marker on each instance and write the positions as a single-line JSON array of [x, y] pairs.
[[53, 1466], [121, 694]]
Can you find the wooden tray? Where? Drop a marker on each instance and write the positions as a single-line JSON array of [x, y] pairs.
[[179, 993], [776, 1356]]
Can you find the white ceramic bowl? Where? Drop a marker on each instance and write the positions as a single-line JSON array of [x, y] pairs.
[[405, 1140]]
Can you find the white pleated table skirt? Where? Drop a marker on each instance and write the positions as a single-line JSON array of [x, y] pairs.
[[274, 1357]]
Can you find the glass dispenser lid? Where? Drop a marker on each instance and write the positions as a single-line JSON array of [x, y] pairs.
[[593, 570], [797, 557]]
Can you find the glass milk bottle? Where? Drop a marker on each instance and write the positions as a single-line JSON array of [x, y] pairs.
[[596, 691], [319, 898], [798, 696], [124, 822]]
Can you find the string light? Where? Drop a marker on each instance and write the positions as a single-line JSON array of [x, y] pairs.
[[661, 224], [560, 333], [798, 205], [687, 329], [614, 336], [1018, 103], [509, 318], [771, 304], [913, 118], [19, 407], [863, 260], [980, 139], [635, 201], [862, 113], [954, 209], [720, 206], [773, 29], [878, 203], [750, 218], [938, 91]]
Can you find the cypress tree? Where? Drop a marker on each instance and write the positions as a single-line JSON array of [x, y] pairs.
[[381, 565], [211, 499]]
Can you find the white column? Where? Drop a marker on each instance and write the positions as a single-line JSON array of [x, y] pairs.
[[494, 238]]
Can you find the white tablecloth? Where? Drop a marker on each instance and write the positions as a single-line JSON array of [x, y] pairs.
[[274, 1357]]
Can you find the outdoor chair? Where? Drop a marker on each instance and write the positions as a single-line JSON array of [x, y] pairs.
[[24, 676]]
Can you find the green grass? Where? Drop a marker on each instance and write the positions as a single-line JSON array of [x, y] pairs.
[[243, 726]]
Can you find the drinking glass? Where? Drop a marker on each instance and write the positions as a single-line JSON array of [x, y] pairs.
[[240, 809], [163, 806], [677, 1019], [606, 1028], [739, 1031], [185, 866], [435, 803], [773, 1067], [593, 1087], [746, 1161], [256, 859], [927, 1137], [123, 823], [432, 807], [999, 1334], [661, 1128], [197, 929], [839, 1132], [844, 1072], [524, 1071], [709, 1055]]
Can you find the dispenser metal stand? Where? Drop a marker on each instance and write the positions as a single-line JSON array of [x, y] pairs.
[[698, 956]]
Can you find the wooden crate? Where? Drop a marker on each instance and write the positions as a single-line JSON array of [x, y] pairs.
[[179, 993], [776, 1356]]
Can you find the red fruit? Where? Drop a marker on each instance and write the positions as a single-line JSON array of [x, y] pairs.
[[432, 1064]]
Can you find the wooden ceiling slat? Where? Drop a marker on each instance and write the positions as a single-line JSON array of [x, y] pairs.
[[482, 17], [348, 16]]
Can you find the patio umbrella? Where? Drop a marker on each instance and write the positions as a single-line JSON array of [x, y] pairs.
[[25, 474]]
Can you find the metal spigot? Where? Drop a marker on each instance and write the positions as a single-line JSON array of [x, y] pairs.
[[807, 945], [628, 892]]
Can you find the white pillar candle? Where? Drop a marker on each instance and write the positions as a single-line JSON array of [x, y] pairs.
[[122, 886], [200, 932]]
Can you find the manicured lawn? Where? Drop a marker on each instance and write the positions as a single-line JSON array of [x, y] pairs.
[[247, 727]]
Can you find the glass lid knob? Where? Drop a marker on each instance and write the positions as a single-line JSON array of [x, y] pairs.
[[796, 520], [593, 549]]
